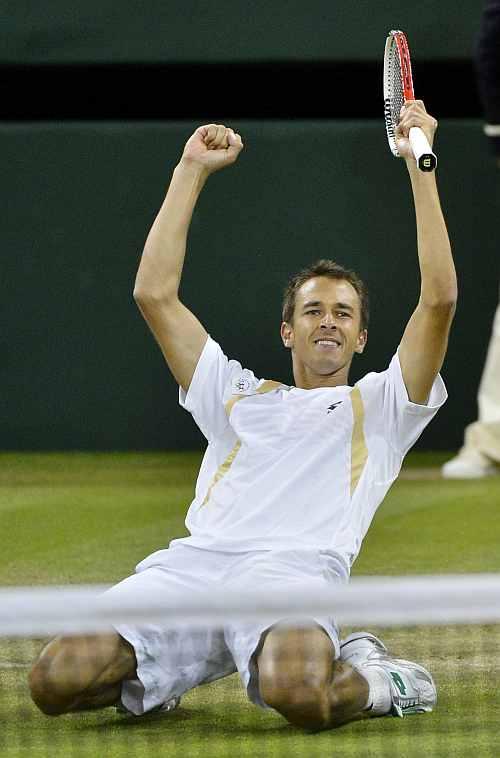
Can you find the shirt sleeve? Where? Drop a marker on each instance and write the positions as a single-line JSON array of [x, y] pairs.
[[210, 389], [393, 415]]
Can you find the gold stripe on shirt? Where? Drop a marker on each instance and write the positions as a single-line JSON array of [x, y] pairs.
[[359, 451], [222, 470], [266, 386]]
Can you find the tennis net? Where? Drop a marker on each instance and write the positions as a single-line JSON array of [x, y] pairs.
[[448, 624]]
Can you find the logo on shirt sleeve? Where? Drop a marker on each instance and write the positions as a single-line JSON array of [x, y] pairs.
[[240, 385]]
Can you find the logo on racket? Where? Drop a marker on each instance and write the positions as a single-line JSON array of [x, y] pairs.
[[389, 125]]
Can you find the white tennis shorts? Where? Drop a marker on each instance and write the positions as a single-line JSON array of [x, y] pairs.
[[171, 661]]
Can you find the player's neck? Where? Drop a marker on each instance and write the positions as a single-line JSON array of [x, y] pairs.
[[307, 379]]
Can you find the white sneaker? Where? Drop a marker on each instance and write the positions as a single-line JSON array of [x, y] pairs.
[[169, 705], [412, 687], [356, 648], [469, 464]]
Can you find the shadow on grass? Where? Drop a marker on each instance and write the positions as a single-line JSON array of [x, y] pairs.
[[202, 722]]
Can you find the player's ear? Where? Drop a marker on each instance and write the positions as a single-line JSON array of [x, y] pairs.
[[286, 332], [361, 341]]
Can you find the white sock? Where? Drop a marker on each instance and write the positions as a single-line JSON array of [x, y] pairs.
[[379, 695]]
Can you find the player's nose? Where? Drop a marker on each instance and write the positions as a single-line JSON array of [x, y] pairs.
[[328, 321]]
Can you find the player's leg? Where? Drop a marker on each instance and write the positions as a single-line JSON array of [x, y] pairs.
[[139, 667], [480, 454], [81, 673], [300, 678]]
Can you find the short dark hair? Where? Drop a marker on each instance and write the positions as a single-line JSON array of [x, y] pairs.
[[325, 267]]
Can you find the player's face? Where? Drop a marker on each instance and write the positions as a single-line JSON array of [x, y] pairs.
[[326, 329]]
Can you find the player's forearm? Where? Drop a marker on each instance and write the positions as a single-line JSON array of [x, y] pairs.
[[160, 269], [437, 270]]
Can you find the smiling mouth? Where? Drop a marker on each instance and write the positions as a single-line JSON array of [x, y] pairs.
[[324, 343]]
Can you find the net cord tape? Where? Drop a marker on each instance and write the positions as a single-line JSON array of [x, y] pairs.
[[457, 599]]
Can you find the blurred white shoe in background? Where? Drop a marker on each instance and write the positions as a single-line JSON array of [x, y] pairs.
[[469, 464]]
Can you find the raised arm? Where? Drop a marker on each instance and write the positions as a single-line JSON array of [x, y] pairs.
[[178, 332], [425, 339]]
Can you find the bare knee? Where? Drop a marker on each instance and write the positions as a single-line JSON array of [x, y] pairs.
[[295, 674], [49, 675], [41, 688], [302, 705], [68, 667]]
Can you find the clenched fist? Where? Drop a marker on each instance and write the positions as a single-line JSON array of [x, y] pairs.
[[212, 147]]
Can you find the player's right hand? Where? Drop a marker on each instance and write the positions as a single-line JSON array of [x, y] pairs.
[[212, 147], [413, 113]]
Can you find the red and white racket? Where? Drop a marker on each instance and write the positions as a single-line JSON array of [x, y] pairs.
[[398, 87]]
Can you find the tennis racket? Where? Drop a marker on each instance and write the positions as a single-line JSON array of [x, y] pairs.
[[398, 87]]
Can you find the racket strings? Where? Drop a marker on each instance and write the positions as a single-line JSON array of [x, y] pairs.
[[397, 97], [394, 95]]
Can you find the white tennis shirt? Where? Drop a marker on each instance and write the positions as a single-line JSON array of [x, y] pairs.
[[289, 468]]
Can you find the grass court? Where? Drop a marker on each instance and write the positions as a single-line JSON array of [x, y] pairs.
[[89, 517]]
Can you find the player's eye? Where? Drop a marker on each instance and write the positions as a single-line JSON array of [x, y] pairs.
[[313, 311]]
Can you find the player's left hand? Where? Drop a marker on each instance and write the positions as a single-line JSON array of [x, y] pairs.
[[413, 113]]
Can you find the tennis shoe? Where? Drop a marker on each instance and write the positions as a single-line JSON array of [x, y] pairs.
[[169, 705], [166, 707], [412, 687], [357, 648], [469, 464]]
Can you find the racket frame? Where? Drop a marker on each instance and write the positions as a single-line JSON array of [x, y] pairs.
[[426, 159]]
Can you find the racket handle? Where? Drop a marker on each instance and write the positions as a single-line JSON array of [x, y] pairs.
[[426, 159]]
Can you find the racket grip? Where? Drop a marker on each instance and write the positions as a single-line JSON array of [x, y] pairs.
[[426, 159]]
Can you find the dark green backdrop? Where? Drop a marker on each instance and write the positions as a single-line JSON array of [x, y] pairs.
[[79, 368], [240, 30]]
